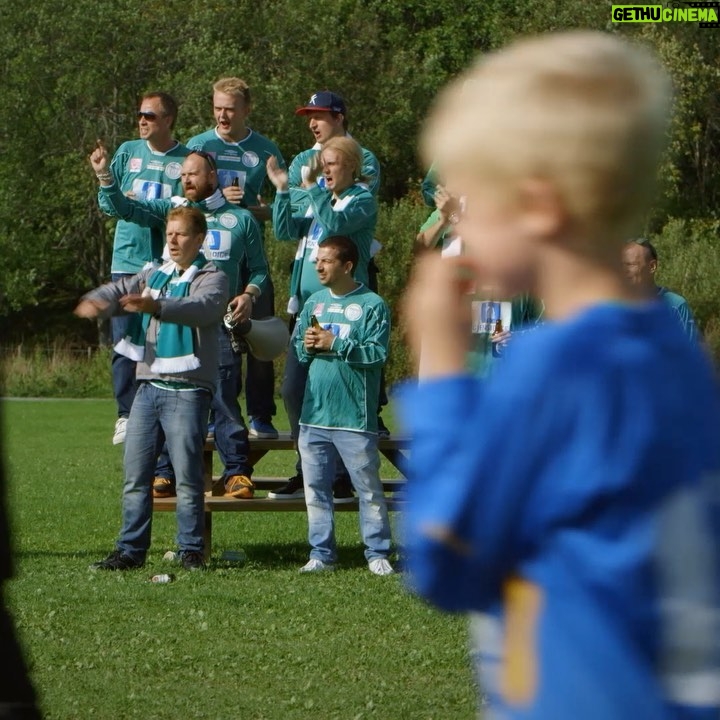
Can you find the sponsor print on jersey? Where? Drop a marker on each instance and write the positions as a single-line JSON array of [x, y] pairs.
[[156, 165], [486, 313], [341, 330], [335, 308], [228, 220], [135, 165], [173, 170], [217, 245], [353, 312], [232, 177], [250, 159], [150, 190], [313, 238]]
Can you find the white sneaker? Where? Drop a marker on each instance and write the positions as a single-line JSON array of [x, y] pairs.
[[120, 426], [314, 565], [380, 566]]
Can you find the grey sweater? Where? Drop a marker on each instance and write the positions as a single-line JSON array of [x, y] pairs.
[[202, 309]]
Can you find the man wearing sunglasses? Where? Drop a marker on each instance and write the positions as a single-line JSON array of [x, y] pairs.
[[145, 169], [233, 241]]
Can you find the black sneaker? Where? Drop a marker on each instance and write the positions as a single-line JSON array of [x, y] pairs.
[[192, 560], [292, 490], [117, 560], [343, 490]]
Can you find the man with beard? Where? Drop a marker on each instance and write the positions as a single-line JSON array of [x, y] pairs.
[[233, 238]]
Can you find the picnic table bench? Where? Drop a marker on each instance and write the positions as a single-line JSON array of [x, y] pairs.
[[393, 448]]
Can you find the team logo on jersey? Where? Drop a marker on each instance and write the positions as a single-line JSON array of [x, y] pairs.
[[228, 220], [353, 312], [135, 164], [250, 159], [173, 170]]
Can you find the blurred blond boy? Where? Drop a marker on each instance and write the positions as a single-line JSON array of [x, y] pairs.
[[571, 477]]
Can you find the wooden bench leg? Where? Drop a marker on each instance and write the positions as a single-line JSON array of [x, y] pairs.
[[207, 535]]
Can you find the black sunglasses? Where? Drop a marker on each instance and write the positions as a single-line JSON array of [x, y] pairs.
[[147, 115]]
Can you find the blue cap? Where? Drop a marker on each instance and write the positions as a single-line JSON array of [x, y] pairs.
[[323, 101]]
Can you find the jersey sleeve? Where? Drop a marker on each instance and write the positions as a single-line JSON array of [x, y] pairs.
[[257, 265], [285, 225], [370, 350], [358, 214], [148, 213], [371, 171]]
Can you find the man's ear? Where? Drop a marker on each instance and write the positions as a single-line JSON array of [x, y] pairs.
[[652, 266], [541, 209]]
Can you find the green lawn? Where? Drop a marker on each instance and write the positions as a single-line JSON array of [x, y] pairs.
[[250, 642]]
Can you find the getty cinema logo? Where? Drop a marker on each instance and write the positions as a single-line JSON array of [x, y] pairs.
[[706, 14]]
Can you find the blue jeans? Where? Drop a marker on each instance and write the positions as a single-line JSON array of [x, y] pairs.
[[231, 435], [123, 369], [260, 376], [293, 391], [180, 418], [319, 451]]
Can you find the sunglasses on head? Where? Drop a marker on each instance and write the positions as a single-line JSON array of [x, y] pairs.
[[207, 156], [147, 115]]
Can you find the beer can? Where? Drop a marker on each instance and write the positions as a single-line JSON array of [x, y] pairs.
[[162, 578]]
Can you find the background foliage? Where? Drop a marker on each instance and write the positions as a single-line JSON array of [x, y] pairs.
[[387, 58]]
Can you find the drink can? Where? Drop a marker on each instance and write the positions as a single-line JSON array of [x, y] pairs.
[[162, 578]]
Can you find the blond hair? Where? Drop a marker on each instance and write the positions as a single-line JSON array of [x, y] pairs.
[[195, 219], [584, 110], [350, 150], [233, 86]]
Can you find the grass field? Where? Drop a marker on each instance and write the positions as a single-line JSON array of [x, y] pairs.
[[258, 641]]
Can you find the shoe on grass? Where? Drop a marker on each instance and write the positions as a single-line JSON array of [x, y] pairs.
[[343, 490], [292, 490], [120, 427], [192, 560], [261, 428], [163, 487], [380, 566], [117, 560], [239, 486], [313, 566]]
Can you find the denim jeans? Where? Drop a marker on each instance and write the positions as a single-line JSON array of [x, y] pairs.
[[319, 450], [260, 376], [123, 369], [180, 418], [231, 435]]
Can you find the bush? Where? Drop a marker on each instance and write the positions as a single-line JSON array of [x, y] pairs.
[[56, 372]]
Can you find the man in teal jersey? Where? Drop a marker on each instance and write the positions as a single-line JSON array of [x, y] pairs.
[[233, 238], [240, 155], [327, 118], [343, 207], [343, 336], [147, 168], [326, 113], [641, 262]]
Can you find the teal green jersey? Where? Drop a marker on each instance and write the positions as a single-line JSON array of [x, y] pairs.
[[517, 315], [300, 166], [148, 175], [353, 214], [233, 236], [343, 384], [682, 310], [241, 163]]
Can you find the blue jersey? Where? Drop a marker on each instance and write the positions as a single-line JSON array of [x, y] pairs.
[[574, 501]]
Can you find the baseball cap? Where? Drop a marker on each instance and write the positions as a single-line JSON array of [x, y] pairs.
[[323, 101]]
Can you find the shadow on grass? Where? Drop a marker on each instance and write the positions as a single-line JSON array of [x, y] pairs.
[[284, 556]]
